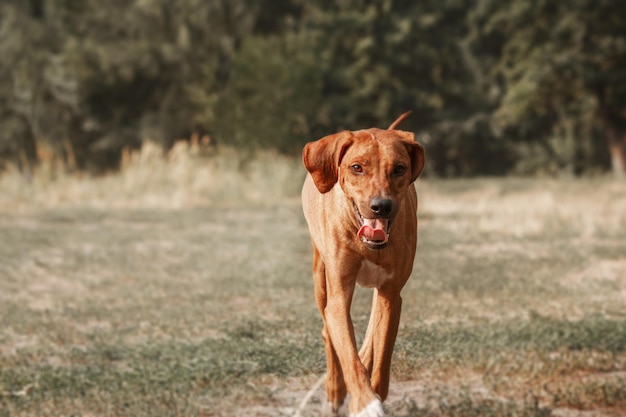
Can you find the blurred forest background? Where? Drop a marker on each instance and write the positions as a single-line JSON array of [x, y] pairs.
[[523, 87]]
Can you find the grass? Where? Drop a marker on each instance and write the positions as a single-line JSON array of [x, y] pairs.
[[181, 287]]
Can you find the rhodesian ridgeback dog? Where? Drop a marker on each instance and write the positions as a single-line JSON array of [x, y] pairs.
[[360, 204]]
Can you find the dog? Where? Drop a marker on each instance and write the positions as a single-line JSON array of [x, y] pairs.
[[360, 204]]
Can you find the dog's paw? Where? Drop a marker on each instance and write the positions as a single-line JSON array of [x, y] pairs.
[[373, 409]]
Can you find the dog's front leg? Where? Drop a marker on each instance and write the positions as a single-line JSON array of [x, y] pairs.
[[386, 320], [335, 385], [340, 288], [366, 353]]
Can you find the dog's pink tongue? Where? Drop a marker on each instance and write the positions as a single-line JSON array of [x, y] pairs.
[[374, 229]]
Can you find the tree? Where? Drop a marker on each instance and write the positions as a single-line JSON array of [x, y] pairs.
[[91, 79], [495, 87], [22, 40], [274, 94], [562, 70], [273, 91], [382, 58]]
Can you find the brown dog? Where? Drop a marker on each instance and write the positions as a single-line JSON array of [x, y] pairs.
[[361, 207]]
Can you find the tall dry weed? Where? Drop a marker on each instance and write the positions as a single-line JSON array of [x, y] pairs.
[[523, 208], [187, 175], [191, 174]]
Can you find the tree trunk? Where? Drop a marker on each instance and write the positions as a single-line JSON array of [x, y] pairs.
[[617, 148]]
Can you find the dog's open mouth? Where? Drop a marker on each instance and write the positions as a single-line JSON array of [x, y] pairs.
[[373, 232]]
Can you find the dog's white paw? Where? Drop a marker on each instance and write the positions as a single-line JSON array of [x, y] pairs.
[[373, 409]]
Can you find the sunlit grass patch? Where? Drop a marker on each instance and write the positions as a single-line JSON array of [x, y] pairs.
[[528, 208]]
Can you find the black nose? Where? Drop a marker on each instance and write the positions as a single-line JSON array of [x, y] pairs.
[[381, 206]]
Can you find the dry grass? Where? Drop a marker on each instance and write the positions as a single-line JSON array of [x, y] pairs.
[[181, 287], [185, 176], [526, 208]]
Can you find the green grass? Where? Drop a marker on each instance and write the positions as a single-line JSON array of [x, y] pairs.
[[121, 306]]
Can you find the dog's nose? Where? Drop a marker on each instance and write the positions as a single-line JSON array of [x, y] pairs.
[[381, 206]]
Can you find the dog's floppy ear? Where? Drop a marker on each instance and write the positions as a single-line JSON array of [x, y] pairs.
[[416, 153], [322, 158]]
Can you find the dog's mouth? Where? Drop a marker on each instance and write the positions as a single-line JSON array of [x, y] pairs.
[[374, 233]]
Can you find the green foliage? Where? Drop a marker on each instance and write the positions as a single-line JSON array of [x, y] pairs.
[[561, 66], [108, 78], [275, 93], [495, 88]]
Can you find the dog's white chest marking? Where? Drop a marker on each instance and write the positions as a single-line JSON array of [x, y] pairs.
[[371, 275]]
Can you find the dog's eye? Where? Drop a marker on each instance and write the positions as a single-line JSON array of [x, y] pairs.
[[399, 170], [356, 168]]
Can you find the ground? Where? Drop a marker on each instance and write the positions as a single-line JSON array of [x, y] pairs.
[[517, 305]]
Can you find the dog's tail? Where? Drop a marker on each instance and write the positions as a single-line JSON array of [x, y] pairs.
[[398, 120]]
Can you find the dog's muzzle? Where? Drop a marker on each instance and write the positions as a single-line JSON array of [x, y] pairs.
[[374, 233]]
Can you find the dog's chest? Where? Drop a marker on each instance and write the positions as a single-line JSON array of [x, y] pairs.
[[371, 275]]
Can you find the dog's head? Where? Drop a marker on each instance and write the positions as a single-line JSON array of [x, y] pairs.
[[374, 168]]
